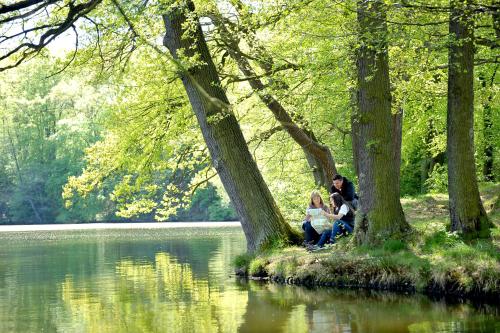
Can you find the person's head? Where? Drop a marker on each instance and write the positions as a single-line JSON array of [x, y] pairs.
[[316, 199], [338, 180], [336, 199]]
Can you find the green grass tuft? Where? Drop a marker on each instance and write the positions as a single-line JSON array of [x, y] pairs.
[[257, 267], [394, 245]]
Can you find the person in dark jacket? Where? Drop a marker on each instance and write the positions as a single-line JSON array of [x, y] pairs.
[[345, 188]]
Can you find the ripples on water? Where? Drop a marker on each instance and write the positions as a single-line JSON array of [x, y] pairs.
[[180, 280]]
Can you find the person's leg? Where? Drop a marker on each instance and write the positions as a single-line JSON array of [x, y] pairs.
[[340, 227], [347, 227], [336, 230], [310, 234], [325, 237]]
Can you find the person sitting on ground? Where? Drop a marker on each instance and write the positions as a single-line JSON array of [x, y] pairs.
[[343, 216], [315, 223], [345, 188]]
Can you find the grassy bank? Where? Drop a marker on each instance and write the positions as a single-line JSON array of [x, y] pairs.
[[430, 259]]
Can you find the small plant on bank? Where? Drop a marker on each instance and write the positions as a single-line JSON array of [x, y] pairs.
[[241, 263], [258, 267]]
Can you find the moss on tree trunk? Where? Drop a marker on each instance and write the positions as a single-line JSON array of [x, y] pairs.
[[467, 213], [376, 135]]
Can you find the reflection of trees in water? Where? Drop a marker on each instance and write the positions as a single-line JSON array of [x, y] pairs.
[[277, 308], [99, 285], [182, 284], [150, 297]]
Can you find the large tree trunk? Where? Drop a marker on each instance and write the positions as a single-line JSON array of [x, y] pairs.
[[466, 210], [319, 156], [376, 133], [260, 217]]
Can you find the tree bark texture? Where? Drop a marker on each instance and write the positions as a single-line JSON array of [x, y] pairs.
[[319, 156], [467, 213], [376, 133], [259, 215]]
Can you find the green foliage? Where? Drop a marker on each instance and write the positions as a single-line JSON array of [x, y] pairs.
[[438, 179], [207, 205], [116, 131], [243, 261]]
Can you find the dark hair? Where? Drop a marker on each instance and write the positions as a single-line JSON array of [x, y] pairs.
[[337, 199], [337, 177]]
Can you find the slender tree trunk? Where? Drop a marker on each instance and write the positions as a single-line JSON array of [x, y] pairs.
[[19, 173], [488, 140], [319, 156], [397, 137], [260, 217], [466, 209], [376, 133]]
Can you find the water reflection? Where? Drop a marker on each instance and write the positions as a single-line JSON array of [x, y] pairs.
[[180, 283], [299, 309], [152, 296]]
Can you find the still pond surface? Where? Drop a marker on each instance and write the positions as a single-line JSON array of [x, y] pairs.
[[180, 280]]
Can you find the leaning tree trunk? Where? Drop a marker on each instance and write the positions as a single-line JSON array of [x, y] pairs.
[[466, 210], [260, 217], [376, 140], [319, 156]]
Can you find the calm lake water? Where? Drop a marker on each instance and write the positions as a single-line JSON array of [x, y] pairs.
[[180, 280]]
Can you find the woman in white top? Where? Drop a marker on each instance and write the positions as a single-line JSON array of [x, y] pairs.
[[343, 216]]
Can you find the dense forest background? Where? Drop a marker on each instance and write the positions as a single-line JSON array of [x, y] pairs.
[[107, 133]]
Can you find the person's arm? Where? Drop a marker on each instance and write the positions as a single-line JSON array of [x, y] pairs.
[[349, 192], [333, 216], [343, 211]]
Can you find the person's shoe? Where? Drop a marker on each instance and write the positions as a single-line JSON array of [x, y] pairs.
[[314, 248], [310, 247], [329, 246], [307, 243]]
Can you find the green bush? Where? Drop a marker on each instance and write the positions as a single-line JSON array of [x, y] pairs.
[[438, 179], [243, 261], [258, 267]]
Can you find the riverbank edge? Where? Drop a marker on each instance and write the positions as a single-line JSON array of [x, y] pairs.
[[430, 260], [318, 276]]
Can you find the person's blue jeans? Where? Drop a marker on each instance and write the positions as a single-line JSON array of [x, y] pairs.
[[325, 237], [339, 227], [310, 234]]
